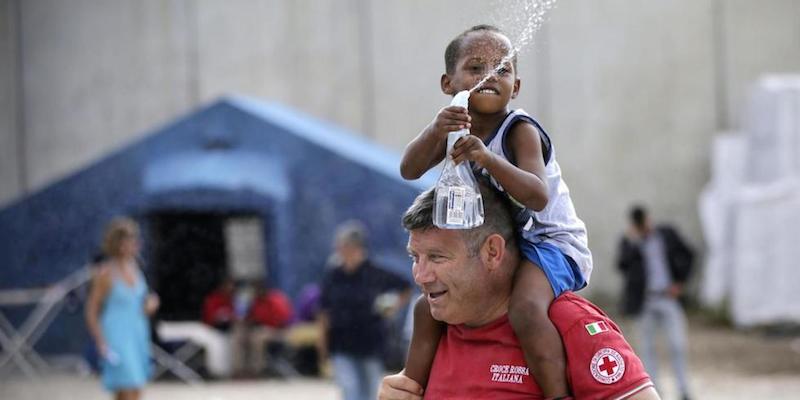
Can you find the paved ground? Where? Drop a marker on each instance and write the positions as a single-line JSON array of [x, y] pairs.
[[74, 388], [725, 364], [729, 364]]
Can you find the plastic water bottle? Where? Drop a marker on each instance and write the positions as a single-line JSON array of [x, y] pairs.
[[457, 203]]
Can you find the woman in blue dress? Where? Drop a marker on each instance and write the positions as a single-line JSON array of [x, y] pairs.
[[117, 313]]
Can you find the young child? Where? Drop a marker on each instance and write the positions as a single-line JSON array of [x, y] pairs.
[[515, 152]]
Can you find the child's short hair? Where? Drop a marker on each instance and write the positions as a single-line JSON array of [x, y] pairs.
[[453, 50]]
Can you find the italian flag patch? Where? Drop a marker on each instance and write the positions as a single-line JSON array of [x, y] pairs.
[[596, 327]]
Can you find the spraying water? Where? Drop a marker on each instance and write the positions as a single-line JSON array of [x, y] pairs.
[[531, 18]]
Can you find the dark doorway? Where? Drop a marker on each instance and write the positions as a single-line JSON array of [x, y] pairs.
[[188, 260]]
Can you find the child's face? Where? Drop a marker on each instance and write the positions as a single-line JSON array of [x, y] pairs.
[[481, 53]]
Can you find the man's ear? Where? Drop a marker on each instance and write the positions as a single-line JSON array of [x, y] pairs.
[[493, 251], [445, 82]]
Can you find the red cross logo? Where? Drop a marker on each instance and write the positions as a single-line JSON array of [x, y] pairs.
[[608, 365]]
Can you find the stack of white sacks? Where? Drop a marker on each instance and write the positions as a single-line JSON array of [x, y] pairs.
[[751, 210]]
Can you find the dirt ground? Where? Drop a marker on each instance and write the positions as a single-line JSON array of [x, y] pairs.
[[733, 364], [724, 364]]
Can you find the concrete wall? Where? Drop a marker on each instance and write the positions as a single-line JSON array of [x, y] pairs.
[[10, 130], [632, 106], [98, 74], [631, 92], [757, 38]]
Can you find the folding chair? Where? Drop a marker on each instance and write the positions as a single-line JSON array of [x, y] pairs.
[[196, 336], [18, 343], [176, 362]]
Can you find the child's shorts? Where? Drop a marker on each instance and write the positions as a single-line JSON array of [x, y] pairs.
[[560, 269]]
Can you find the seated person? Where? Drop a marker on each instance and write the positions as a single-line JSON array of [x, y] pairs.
[[270, 308], [218, 309], [308, 303], [269, 312]]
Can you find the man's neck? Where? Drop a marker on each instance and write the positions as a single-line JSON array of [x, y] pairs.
[[354, 264], [495, 308]]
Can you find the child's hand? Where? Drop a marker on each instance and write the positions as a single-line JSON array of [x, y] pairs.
[[471, 148], [451, 119]]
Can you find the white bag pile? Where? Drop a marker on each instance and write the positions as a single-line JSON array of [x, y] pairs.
[[750, 210]]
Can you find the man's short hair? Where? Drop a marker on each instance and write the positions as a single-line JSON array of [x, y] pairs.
[[497, 218], [351, 232], [638, 214]]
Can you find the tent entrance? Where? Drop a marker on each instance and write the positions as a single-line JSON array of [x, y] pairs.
[[192, 252], [188, 260]]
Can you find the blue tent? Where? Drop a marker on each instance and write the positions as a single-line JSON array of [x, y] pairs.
[[239, 156]]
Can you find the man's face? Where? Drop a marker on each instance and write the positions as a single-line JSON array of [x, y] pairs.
[[350, 254], [453, 281]]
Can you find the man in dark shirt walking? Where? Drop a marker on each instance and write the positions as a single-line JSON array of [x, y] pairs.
[[656, 263], [353, 306]]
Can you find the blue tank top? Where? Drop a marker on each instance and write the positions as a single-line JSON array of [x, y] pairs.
[[126, 329]]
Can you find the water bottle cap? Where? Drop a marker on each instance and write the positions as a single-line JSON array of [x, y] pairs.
[[461, 99]]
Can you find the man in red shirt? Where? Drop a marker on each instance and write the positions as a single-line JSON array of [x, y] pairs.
[[270, 312], [271, 308], [467, 277], [218, 310]]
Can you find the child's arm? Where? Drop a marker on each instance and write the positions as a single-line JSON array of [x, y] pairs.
[[430, 146], [524, 181], [424, 343]]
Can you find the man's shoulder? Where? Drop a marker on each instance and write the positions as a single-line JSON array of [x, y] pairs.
[[601, 363], [333, 271], [666, 229], [569, 309], [331, 277], [378, 271], [570, 302]]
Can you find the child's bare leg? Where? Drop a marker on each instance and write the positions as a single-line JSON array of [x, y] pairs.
[[540, 341], [424, 342]]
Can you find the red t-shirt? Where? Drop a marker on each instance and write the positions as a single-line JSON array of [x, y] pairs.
[[218, 308], [487, 362], [272, 309]]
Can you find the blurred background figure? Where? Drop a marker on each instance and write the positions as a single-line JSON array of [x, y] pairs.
[[656, 263], [268, 316], [308, 302], [304, 335], [218, 309], [355, 300], [117, 312]]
